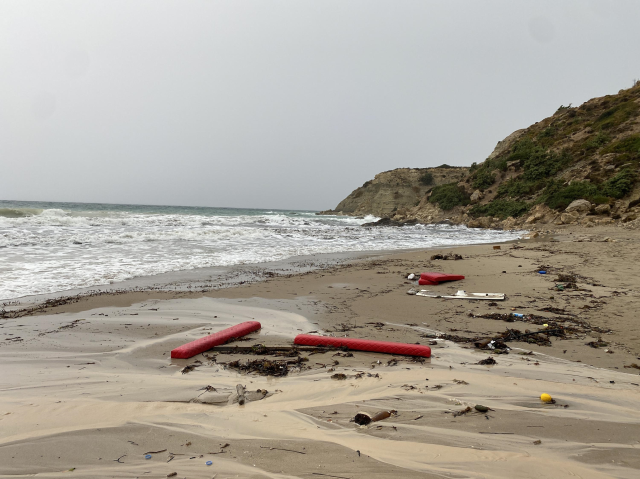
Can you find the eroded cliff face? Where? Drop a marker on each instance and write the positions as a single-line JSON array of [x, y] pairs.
[[395, 192]]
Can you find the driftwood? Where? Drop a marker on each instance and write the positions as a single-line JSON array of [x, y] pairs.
[[240, 390]]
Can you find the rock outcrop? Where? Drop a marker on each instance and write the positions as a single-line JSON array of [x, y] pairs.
[[396, 191]]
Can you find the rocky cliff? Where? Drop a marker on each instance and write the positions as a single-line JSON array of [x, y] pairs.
[[395, 192], [579, 165]]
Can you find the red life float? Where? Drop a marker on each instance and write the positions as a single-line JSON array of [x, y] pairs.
[[437, 278], [204, 344], [364, 345]]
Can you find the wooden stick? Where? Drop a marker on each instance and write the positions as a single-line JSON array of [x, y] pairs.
[[240, 391]]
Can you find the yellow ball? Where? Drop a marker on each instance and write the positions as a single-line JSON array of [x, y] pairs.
[[546, 398], [545, 325]]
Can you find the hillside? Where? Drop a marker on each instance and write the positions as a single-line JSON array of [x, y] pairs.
[[535, 175], [395, 192]]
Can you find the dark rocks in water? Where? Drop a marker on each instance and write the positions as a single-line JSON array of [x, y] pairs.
[[390, 222]]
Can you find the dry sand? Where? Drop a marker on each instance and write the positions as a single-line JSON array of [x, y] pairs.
[[90, 386]]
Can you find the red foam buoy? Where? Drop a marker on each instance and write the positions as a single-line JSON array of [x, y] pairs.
[[204, 344], [364, 345], [437, 278]]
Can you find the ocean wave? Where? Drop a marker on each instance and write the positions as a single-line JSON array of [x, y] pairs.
[[19, 212], [56, 249]]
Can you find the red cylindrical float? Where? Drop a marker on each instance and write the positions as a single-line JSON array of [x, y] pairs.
[[437, 278], [364, 345], [204, 344]]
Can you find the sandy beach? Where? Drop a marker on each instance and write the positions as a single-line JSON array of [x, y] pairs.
[[89, 389]]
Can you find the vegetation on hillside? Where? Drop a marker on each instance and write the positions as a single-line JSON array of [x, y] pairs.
[[448, 196], [596, 146]]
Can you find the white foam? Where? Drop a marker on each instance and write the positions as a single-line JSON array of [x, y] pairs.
[[59, 250]]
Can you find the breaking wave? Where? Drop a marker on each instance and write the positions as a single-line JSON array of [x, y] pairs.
[[58, 247]]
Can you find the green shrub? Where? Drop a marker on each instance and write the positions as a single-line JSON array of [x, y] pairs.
[[473, 167], [483, 176], [367, 183], [617, 115], [543, 164], [558, 196], [630, 144], [517, 187], [620, 184], [426, 178], [597, 141], [449, 196], [501, 209], [483, 179], [444, 165]]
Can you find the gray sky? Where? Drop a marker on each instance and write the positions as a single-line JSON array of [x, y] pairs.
[[283, 104]]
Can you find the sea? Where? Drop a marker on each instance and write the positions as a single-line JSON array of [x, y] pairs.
[[49, 247]]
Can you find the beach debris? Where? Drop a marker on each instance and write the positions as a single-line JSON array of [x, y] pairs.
[[190, 367], [266, 367], [462, 412], [411, 276], [118, 460], [496, 247], [632, 365], [339, 376], [412, 292], [155, 452], [488, 361], [281, 449], [208, 342], [544, 397], [208, 463], [448, 256], [172, 474], [461, 294], [599, 343], [537, 442], [386, 347], [328, 475], [542, 272], [148, 456], [437, 278], [481, 408], [363, 418], [461, 382], [240, 389]]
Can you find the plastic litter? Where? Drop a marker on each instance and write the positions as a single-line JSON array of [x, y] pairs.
[[363, 418], [208, 463], [437, 278], [546, 398], [461, 294], [147, 456], [517, 315], [411, 276], [364, 345], [204, 344], [542, 272]]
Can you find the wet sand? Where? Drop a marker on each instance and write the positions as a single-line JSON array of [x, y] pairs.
[[90, 385]]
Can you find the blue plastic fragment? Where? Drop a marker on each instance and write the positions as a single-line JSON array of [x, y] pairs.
[[517, 315], [148, 456], [542, 272], [209, 463]]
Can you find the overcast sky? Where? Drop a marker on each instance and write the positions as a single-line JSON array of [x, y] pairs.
[[283, 104]]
